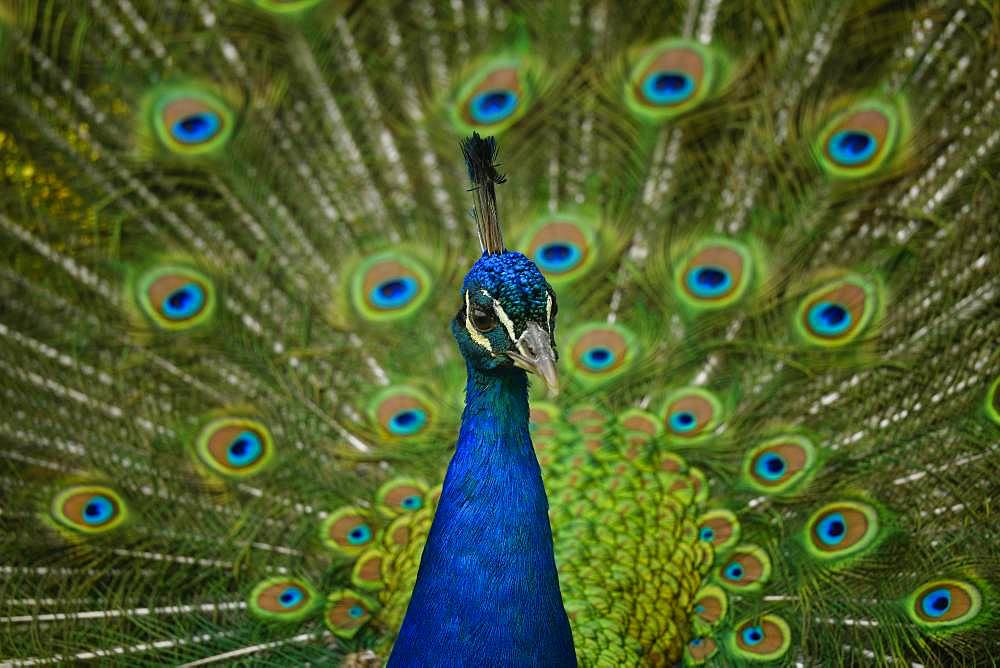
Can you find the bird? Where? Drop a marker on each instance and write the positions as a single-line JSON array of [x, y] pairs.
[[499, 333], [487, 584]]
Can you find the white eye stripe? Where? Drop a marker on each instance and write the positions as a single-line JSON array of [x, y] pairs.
[[508, 324], [473, 332], [548, 309]]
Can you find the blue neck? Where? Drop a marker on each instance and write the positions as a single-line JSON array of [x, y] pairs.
[[487, 592]]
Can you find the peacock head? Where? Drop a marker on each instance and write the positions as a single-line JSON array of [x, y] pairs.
[[508, 315], [508, 318]]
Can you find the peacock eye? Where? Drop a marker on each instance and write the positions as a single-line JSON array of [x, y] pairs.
[[483, 321]]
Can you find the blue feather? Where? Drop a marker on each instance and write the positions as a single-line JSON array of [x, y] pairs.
[[487, 591]]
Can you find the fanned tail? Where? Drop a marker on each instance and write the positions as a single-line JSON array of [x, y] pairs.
[[233, 233]]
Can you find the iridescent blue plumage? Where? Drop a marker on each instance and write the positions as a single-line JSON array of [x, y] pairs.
[[487, 589]]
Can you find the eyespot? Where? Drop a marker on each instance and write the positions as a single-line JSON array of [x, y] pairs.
[[745, 569], [832, 530], [852, 147], [347, 611], [563, 247], [389, 286], [494, 104], [400, 496], [710, 605], [752, 635], [708, 281], [402, 412], [714, 275], [235, 447], [558, 256], [837, 313], [720, 528], [367, 571], [840, 529], [493, 97], [393, 292], [286, 6], [859, 141], [175, 298], [600, 351], [829, 318], [283, 599], [993, 401], [598, 358], [191, 121], [779, 464], [691, 413], [196, 127], [700, 649], [672, 77], [89, 509], [944, 603], [348, 530], [764, 639]]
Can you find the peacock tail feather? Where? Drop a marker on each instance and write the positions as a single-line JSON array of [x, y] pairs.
[[233, 232]]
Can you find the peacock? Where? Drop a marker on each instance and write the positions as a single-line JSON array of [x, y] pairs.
[[482, 333]]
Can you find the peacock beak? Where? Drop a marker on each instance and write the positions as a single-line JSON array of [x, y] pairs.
[[534, 354]]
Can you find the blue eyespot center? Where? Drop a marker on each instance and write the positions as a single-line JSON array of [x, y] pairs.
[[708, 281], [394, 292], [245, 449], [290, 597], [196, 128], [770, 466], [734, 571], [98, 510], [699, 608], [696, 642], [598, 358], [667, 87], [493, 106], [356, 612], [413, 502], [407, 422], [184, 302], [359, 535], [558, 256], [832, 529], [683, 421], [706, 534], [753, 635], [936, 602], [829, 319], [852, 147]]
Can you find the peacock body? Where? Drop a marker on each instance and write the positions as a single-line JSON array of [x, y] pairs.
[[234, 273]]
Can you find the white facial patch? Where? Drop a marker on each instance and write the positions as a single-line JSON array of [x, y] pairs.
[[473, 332], [508, 324], [548, 309]]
